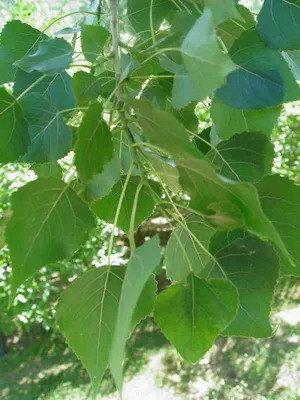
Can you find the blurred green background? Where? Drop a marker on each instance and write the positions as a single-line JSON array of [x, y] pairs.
[[38, 365]]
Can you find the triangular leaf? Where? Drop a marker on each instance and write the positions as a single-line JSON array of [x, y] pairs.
[[142, 263], [51, 139], [47, 170], [51, 57], [86, 88], [49, 223], [93, 38], [192, 316]]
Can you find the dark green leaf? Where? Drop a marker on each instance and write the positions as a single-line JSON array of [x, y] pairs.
[[14, 138], [94, 146], [244, 157], [187, 250], [86, 88], [51, 57], [280, 200], [17, 40], [279, 24], [141, 265], [47, 170], [203, 141], [262, 74], [51, 139], [206, 64], [57, 89], [93, 38], [228, 121], [192, 316], [49, 224], [252, 266], [106, 208]]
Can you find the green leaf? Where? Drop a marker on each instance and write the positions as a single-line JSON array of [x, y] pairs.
[[263, 78], [14, 139], [101, 184], [49, 224], [86, 88], [94, 146], [142, 263], [87, 314], [192, 316], [57, 89], [280, 200], [17, 40], [139, 13], [93, 39], [47, 170], [279, 24], [206, 64], [196, 174], [183, 92], [246, 157], [202, 141], [51, 57], [3, 224], [166, 171], [187, 249], [232, 29], [228, 121], [106, 208], [51, 139], [252, 266], [224, 10], [293, 59], [164, 130]]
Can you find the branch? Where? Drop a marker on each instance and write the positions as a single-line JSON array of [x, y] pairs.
[[113, 4]]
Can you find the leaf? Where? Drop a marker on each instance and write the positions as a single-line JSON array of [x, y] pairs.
[[142, 263], [196, 174], [280, 200], [203, 141], [57, 89], [166, 172], [232, 29], [86, 88], [139, 12], [206, 64], [3, 224], [51, 139], [263, 78], [279, 24], [187, 249], [174, 140], [224, 10], [228, 121], [14, 138], [252, 266], [183, 92], [102, 183], [106, 207], [94, 146], [93, 38], [49, 224], [293, 59], [88, 320], [192, 316], [17, 40], [47, 170], [246, 157], [51, 57]]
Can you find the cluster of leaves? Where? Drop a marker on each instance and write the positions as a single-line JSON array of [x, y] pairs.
[[128, 117]]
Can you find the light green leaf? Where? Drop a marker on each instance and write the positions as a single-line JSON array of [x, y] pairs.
[[106, 208], [187, 249], [86, 88], [47, 170], [228, 120], [206, 64], [293, 59], [224, 10], [246, 157], [142, 263], [17, 40], [14, 139], [279, 24], [280, 201], [252, 266], [49, 224], [93, 39], [51, 139], [52, 56], [192, 316], [263, 78], [166, 171], [94, 146], [183, 92]]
